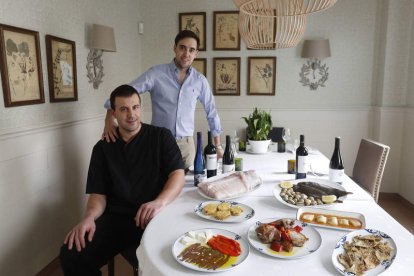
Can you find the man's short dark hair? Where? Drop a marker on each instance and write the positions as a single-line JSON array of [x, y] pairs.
[[123, 91], [187, 33]]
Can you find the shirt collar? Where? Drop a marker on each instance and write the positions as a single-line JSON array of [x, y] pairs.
[[174, 68]]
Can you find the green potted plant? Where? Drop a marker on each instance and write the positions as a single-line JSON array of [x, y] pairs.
[[259, 124]]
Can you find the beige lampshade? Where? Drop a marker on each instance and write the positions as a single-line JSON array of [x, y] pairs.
[[262, 29], [287, 7], [316, 48], [103, 38], [238, 3]]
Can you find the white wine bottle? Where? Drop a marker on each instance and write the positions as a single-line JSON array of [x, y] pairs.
[[199, 174], [336, 166], [210, 155], [228, 157], [301, 159]]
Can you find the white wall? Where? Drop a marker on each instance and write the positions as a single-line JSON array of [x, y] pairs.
[[45, 148]]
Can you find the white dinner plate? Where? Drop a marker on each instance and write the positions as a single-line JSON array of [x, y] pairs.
[[247, 213], [178, 247], [335, 213], [339, 249], [227, 198], [259, 153], [277, 189], [310, 246]]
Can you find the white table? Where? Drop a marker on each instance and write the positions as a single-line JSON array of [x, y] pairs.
[[155, 252]]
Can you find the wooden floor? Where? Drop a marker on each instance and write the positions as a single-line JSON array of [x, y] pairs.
[[395, 205]]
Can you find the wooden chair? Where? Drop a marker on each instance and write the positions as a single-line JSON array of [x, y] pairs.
[[369, 166], [130, 255]]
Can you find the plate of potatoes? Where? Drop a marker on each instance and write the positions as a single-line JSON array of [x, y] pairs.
[[224, 211]]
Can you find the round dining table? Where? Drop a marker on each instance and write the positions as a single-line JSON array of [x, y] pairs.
[[155, 253]]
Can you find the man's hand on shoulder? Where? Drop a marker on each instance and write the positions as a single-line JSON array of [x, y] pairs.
[[109, 133]]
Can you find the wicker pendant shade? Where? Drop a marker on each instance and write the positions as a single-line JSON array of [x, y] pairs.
[[270, 32], [273, 24], [285, 7]]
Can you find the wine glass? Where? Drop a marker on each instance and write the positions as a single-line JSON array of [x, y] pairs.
[[286, 135]]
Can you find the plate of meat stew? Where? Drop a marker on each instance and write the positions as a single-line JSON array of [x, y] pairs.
[[284, 238]]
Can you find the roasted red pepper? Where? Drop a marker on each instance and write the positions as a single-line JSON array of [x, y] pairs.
[[276, 246], [225, 245], [298, 228]]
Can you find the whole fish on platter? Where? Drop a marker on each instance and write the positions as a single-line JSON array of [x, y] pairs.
[[230, 185]]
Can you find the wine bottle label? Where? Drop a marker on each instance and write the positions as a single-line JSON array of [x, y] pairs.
[[303, 164], [211, 161], [228, 168], [336, 175]]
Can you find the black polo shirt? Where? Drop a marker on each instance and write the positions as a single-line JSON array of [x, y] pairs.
[[133, 173]]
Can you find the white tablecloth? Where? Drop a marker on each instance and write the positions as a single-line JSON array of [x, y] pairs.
[[155, 252]]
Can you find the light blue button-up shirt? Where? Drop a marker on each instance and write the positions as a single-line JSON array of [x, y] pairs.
[[173, 104]]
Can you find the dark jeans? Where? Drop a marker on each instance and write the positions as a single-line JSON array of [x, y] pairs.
[[113, 234]]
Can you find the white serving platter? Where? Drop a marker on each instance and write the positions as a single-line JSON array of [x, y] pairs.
[[313, 244], [178, 247], [247, 213], [336, 213], [339, 249], [277, 189], [217, 177]]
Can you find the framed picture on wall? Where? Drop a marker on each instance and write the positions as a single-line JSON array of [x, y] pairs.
[[261, 76], [200, 64], [20, 66], [226, 30], [196, 22], [226, 79], [61, 69]]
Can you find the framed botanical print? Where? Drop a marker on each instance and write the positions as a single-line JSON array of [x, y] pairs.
[[226, 30], [196, 22], [226, 79], [61, 69], [261, 78], [20, 66], [200, 64]]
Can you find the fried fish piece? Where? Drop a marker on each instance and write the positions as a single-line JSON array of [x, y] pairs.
[[221, 215], [210, 209], [224, 206], [236, 210]]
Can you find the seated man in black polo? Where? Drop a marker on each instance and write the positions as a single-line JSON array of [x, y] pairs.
[[129, 182]]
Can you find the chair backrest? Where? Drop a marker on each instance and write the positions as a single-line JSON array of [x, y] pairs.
[[369, 165]]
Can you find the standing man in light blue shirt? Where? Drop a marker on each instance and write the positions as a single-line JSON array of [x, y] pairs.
[[175, 89]]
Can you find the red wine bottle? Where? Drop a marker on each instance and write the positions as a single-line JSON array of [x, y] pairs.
[[336, 166], [210, 155], [228, 157], [301, 159]]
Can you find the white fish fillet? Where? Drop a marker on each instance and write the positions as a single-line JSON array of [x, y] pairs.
[[232, 185]]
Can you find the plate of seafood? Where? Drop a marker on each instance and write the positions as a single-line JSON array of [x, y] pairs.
[[229, 185], [366, 252], [334, 219], [210, 250], [284, 238], [224, 211], [309, 192]]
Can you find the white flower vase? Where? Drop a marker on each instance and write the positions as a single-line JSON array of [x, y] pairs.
[[259, 146]]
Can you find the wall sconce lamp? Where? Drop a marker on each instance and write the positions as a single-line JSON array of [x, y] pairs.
[[314, 73], [102, 39]]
